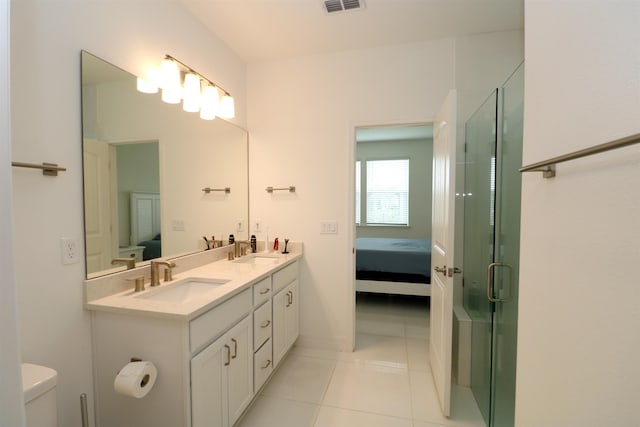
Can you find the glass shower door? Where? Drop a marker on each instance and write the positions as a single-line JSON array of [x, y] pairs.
[[492, 247], [505, 324], [479, 237]]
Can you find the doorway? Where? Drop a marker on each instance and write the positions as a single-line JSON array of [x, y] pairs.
[[491, 246]]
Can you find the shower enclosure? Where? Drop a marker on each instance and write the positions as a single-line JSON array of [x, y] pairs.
[[492, 246]]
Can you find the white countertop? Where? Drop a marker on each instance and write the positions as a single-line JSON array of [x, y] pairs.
[[240, 276]]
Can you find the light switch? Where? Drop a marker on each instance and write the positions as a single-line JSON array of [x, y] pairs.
[[328, 227]]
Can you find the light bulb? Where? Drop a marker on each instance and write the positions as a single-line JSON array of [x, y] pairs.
[[210, 103], [149, 83], [170, 81], [145, 86], [227, 109], [191, 93]]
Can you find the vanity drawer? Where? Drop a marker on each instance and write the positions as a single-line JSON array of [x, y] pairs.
[[262, 291], [285, 276], [262, 366], [213, 323], [262, 324]]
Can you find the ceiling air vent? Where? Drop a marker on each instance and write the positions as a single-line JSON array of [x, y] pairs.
[[331, 6]]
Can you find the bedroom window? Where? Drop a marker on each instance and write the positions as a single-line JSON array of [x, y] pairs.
[[387, 192]]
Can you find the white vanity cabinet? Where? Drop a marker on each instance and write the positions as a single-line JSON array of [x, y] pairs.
[[205, 366], [210, 367], [221, 378], [285, 311]]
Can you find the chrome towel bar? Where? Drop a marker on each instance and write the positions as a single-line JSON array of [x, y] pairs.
[[49, 169], [548, 167], [208, 190], [290, 189]]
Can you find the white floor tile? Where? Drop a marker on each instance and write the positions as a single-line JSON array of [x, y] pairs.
[[425, 424], [370, 388], [416, 327], [381, 350], [424, 399], [338, 417], [276, 412], [379, 324], [385, 382], [300, 378], [418, 355]]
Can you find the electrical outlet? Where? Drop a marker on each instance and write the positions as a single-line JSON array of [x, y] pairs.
[[69, 250], [240, 224]]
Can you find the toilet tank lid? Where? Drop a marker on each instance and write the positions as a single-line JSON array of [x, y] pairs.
[[37, 380]]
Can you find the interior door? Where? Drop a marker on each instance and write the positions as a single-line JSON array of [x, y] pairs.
[[443, 206], [97, 220]]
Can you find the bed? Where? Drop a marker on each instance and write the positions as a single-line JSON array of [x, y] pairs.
[[145, 223], [152, 248], [393, 266]]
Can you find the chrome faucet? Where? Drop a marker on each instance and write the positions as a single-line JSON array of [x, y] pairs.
[[130, 262], [155, 271], [239, 246]]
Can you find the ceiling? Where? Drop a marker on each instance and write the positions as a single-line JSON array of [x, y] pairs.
[[264, 30]]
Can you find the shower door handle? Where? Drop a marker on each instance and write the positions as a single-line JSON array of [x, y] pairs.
[[490, 276]]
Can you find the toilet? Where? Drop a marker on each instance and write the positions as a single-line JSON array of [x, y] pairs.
[[39, 386]]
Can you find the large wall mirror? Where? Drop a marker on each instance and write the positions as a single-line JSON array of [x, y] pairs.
[[146, 165]]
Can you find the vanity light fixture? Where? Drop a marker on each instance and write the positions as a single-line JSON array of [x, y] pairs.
[[197, 93]]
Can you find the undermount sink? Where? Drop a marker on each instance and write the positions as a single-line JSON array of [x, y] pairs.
[[257, 259], [182, 291]]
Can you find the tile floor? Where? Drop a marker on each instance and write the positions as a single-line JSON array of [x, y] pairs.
[[386, 382]]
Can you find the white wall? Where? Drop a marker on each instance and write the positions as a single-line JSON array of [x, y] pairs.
[[301, 118], [11, 398], [47, 37], [302, 113], [578, 340]]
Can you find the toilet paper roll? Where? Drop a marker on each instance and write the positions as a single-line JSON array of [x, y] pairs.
[[136, 379]]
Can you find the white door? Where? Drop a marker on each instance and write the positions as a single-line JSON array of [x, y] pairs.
[[441, 329], [98, 220]]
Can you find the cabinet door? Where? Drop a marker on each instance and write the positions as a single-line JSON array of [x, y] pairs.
[[209, 400], [285, 320], [292, 314], [280, 301], [240, 377]]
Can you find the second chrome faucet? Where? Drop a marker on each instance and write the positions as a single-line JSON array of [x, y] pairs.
[[155, 271]]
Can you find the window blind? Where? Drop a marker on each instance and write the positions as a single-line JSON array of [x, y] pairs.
[[387, 192]]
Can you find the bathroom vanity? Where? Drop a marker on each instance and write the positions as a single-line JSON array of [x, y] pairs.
[[215, 333]]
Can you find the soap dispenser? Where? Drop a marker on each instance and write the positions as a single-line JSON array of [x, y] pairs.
[[254, 246]]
